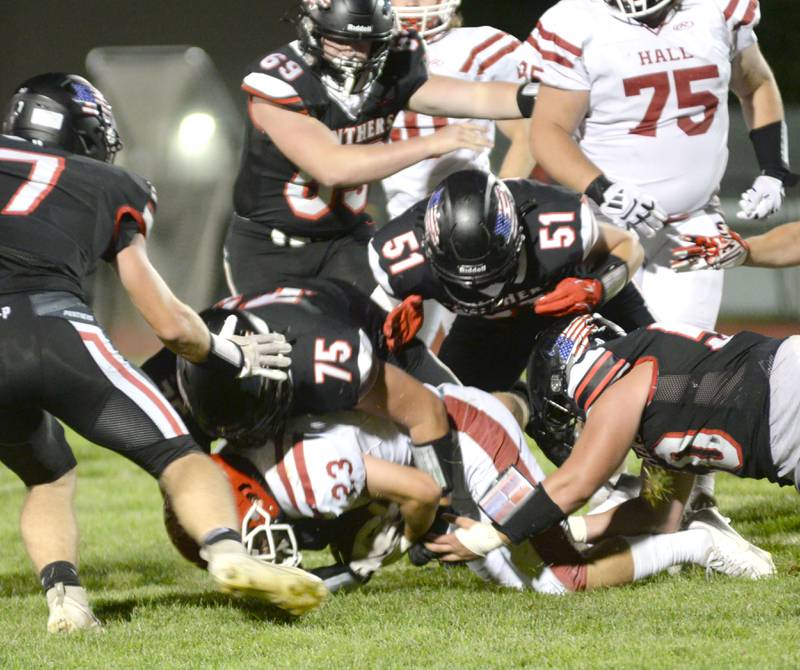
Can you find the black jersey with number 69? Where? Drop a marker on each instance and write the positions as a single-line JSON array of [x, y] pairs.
[[270, 189], [559, 232], [709, 401], [60, 212]]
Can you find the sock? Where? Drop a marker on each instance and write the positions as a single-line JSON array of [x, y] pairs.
[[704, 484], [221, 540], [59, 571], [654, 553]]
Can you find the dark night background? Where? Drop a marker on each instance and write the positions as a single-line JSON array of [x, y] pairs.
[[57, 34]]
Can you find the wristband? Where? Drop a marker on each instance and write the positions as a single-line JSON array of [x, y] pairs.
[[535, 515], [613, 275], [439, 458], [526, 96], [479, 538], [770, 144], [577, 529], [597, 188], [224, 357]]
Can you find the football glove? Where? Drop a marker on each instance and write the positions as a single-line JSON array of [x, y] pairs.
[[403, 323], [628, 207], [256, 354], [763, 198], [720, 252], [572, 295]]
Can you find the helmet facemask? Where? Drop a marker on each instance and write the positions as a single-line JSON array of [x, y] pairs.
[[268, 540], [427, 20], [654, 10], [343, 75]]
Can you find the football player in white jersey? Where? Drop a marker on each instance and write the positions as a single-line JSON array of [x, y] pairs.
[[331, 465], [470, 53], [643, 86]]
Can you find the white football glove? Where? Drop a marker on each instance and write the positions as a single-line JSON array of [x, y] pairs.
[[628, 207], [763, 198], [378, 542], [257, 354], [720, 252]]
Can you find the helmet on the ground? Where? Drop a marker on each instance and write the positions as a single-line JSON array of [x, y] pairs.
[[264, 534], [246, 411], [554, 413], [63, 111], [360, 21], [473, 239], [427, 20], [636, 9]]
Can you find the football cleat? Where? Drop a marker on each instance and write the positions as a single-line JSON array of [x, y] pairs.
[[291, 589], [69, 610], [731, 554]]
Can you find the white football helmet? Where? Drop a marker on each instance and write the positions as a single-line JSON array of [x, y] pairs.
[[426, 20], [635, 9]]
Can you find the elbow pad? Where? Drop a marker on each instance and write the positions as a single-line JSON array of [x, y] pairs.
[[613, 275], [439, 459]]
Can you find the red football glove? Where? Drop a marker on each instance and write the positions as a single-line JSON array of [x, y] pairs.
[[726, 250], [572, 295], [403, 323]]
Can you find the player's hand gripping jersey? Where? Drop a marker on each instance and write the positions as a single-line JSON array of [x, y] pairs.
[[559, 231], [658, 113], [270, 189], [60, 212], [710, 398], [472, 54]]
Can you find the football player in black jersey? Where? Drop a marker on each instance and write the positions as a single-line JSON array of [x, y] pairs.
[[340, 361], [506, 257], [320, 110], [64, 206], [688, 400]]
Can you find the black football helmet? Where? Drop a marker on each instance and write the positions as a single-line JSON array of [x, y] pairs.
[[473, 239], [346, 21], [554, 414], [63, 111], [637, 9], [246, 411]]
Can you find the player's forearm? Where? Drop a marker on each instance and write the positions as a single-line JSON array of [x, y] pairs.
[[418, 517], [518, 161], [343, 166], [763, 105], [631, 251], [778, 248], [446, 96], [559, 155]]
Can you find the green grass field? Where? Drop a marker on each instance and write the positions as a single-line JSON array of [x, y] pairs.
[[160, 612]]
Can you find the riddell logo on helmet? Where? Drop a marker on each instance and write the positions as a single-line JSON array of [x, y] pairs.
[[472, 269], [359, 29]]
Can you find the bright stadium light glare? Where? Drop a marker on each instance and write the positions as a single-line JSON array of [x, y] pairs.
[[195, 133]]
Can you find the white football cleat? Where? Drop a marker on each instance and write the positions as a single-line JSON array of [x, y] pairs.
[[731, 554], [69, 610], [291, 589]]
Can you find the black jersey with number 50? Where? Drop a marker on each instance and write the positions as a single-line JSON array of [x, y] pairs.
[[559, 232], [60, 212], [709, 401], [272, 190]]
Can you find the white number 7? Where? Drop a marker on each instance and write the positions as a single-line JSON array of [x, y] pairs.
[[45, 171]]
